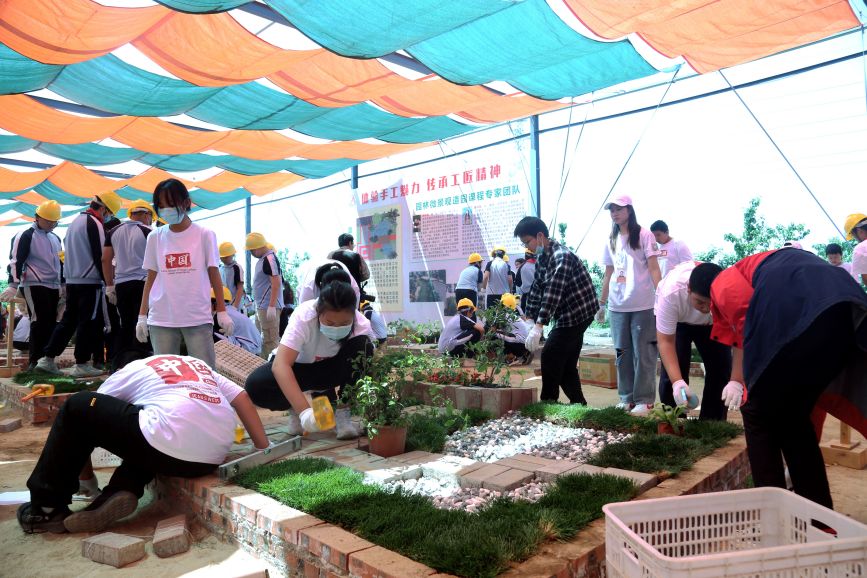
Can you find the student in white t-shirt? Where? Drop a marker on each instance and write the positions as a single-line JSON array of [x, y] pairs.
[[182, 263], [683, 318], [498, 278], [245, 334], [166, 414], [323, 339], [834, 255], [631, 276], [856, 228], [672, 252]]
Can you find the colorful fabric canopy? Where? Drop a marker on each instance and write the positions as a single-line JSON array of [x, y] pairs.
[[349, 92]]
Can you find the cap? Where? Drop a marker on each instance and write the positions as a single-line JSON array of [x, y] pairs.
[[465, 302], [619, 200], [110, 200], [474, 258], [793, 244], [140, 205], [853, 221], [227, 295], [255, 241], [227, 249], [509, 300], [49, 210]]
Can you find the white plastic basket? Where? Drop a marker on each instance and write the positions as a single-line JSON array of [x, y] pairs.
[[756, 533], [104, 459]]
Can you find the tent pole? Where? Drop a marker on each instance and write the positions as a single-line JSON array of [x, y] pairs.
[[248, 226], [353, 178], [534, 164]]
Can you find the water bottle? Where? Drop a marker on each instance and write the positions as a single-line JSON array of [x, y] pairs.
[[323, 412]]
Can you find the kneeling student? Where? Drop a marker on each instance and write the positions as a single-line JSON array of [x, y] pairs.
[[514, 336], [245, 334], [460, 330]]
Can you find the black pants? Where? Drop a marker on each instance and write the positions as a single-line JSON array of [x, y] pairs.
[[524, 297], [777, 413], [42, 308], [91, 420], [285, 313], [491, 300], [560, 363], [325, 376], [21, 345], [83, 316], [516, 349], [127, 347], [717, 360], [462, 350], [467, 294]]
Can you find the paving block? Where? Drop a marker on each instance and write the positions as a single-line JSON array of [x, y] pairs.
[[475, 478], [446, 467], [393, 474], [642, 480], [171, 536], [552, 471], [10, 424], [468, 398], [497, 400], [534, 459], [377, 562], [517, 464], [332, 544], [470, 468], [508, 480], [285, 522], [522, 396], [113, 549], [410, 456]]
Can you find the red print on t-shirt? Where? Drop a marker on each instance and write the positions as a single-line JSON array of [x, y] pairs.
[[172, 369], [178, 261]]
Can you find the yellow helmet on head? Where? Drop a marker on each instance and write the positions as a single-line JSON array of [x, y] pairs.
[[227, 295], [255, 241], [851, 222], [497, 248], [506, 258], [110, 200], [61, 255], [509, 300], [141, 205], [466, 303], [49, 210], [269, 246], [474, 258], [227, 249]]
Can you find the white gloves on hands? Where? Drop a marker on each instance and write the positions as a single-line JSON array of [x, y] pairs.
[[600, 315], [732, 395], [268, 447], [271, 315], [9, 293], [533, 338], [141, 329], [683, 395], [111, 294], [308, 420], [227, 326]]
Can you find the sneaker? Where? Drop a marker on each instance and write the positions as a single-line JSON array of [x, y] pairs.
[[85, 370], [346, 430], [295, 428], [47, 365], [109, 507], [625, 406], [34, 520], [641, 409]]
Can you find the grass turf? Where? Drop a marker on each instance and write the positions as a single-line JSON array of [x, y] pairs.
[[428, 432], [62, 384], [450, 541]]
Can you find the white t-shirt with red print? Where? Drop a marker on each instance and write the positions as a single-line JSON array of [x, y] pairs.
[[302, 334], [186, 411], [631, 286], [181, 293]]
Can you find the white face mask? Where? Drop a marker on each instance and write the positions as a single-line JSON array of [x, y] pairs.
[[173, 216], [335, 332]]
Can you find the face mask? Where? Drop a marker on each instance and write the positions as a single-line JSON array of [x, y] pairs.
[[540, 250], [106, 218], [173, 216], [335, 333]]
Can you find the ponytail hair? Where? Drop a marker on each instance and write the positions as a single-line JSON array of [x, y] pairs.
[[331, 272], [634, 228]]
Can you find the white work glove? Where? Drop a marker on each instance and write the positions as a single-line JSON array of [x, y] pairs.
[[227, 326], [533, 338], [111, 294], [600, 315], [271, 315], [308, 420], [141, 329], [268, 447], [681, 392], [732, 395], [9, 293]]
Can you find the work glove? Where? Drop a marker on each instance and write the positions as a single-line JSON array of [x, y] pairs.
[[9, 293], [683, 395], [227, 326], [268, 447], [111, 294], [271, 315], [533, 338], [733, 395], [308, 420], [141, 329], [600, 315]]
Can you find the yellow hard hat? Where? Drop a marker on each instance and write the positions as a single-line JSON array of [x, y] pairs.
[[111, 200], [509, 300], [466, 303], [269, 246], [49, 210], [255, 241], [363, 304], [851, 222], [227, 249], [474, 258], [139, 205], [497, 248], [506, 258], [61, 255], [227, 295]]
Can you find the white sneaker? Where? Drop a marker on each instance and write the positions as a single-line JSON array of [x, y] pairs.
[[641, 409], [346, 430], [84, 370], [295, 428], [47, 365], [624, 406]]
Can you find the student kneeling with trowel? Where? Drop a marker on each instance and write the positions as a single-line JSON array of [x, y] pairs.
[[166, 414]]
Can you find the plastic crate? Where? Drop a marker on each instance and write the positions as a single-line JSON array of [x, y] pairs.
[[762, 532]]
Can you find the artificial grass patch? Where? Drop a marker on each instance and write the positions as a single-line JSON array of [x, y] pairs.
[[452, 541], [575, 415], [61, 383]]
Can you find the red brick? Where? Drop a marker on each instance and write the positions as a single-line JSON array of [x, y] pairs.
[[331, 544], [218, 497], [113, 549], [475, 478], [517, 464], [285, 522], [248, 505], [171, 537], [498, 400], [311, 570], [202, 486], [508, 480], [522, 396], [377, 562]]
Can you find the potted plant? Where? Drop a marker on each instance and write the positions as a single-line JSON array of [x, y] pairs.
[[668, 419], [489, 353], [381, 411]]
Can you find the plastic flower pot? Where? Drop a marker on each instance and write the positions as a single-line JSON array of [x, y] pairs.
[[389, 441], [665, 428]]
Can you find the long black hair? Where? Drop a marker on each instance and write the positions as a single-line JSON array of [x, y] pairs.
[[634, 231], [331, 272], [335, 291]]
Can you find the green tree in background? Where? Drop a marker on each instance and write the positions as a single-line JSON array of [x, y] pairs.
[[290, 265], [847, 246]]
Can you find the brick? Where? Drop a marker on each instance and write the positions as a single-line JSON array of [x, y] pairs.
[[534, 459], [468, 398], [550, 472], [377, 562], [470, 468], [498, 400], [508, 480], [392, 474], [446, 467], [171, 537], [474, 479], [331, 544], [113, 549], [522, 396], [421, 460], [517, 465], [642, 480], [248, 505], [10, 424], [409, 456], [219, 496], [285, 522]]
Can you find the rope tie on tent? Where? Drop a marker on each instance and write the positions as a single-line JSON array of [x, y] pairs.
[[565, 178], [782, 154]]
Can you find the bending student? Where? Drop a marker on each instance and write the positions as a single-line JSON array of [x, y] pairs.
[[460, 330], [316, 353]]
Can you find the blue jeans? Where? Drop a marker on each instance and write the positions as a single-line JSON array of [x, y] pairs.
[[634, 335], [198, 339]]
